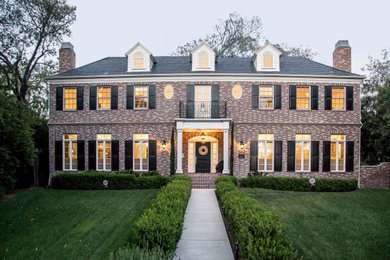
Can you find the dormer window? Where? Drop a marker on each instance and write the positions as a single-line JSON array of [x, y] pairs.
[[268, 60], [139, 61], [203, 60]]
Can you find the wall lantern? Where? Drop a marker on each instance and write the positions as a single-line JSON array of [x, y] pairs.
[[164, 144], [202, 136], [242, 145]]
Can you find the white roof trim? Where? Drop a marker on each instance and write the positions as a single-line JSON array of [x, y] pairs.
[[135, 46], [200, 45]]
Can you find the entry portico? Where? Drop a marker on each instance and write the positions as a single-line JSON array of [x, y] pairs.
[[206, 131]]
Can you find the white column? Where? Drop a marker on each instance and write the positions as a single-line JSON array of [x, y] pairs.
[[179, 168], [225, 151]]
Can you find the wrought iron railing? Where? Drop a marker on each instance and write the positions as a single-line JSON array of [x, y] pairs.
[[203, 109]]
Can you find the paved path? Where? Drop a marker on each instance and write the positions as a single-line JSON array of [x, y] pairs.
[[204, 234]]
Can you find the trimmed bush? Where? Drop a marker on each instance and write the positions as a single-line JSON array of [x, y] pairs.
[[231, 179], [93, 180], [136, 253], [259, 233], [180, 178], [298, 184]]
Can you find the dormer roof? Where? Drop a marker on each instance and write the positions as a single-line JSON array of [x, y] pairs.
[[148, 58], [269, 63], [203, 58]]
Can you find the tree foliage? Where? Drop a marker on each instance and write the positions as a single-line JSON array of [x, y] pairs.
[[301, 51], [375, 104]]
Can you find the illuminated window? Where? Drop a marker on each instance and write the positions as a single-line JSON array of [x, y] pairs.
[[266, 152], [70, 152], [237, 91], [338, 98], [266, 94], [139, 61], [104, 97], [303, 97], [141, 97], [267, 60], [191, 163], [70, 98], [141, 152], [302, 153], [203, 60], [215, 155], [168, 91], [103, 152], [337, 153]]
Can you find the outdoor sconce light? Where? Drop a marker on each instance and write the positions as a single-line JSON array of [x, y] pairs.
[[164, 144], [202, 136], [242, 145]]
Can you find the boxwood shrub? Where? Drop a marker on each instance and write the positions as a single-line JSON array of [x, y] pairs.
[[232, 179], [298, 184], [259, 233]]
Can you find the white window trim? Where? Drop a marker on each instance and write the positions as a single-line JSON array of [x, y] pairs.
[[208, 61], [104, 153], [194, 156], [97, 98], [302, 153], [272, 66], [143, 59], [273, 97], [63, 99], [265, 158], [147, 96], [141, 141], [304, 109], [70, 141], [337, 154], [345, 100]]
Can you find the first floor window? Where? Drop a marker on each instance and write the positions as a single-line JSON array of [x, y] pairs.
[[337, 153], [104, 97], [70, 152], [266, 94], [266, 154], [141, 97], [104, 152], [303, 98], [141, 152], [302, 153], [338, 98]]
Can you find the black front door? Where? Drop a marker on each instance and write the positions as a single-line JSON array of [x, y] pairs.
[[203, 156]]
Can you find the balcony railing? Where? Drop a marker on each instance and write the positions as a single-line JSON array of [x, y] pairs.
[[202, 109]]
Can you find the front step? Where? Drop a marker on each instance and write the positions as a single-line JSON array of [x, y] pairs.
[[203, 180]]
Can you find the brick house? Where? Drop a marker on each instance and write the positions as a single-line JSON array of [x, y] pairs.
[[292, 116]]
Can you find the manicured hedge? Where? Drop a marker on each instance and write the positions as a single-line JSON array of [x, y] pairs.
[[259, 233], [116, 181], [232, 179], [298, 184]]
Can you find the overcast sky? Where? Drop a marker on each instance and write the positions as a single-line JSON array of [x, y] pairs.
[[110, 28]]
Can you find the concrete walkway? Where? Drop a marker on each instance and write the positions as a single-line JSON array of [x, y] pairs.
[[204, 234]]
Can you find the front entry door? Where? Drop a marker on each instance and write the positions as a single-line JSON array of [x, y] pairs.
[[203, 157]]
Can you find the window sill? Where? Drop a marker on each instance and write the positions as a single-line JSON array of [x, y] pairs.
[[103, 109], [68, 170], [69, 110]]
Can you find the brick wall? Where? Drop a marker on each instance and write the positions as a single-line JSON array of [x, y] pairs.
[[67, 60], [377, 177]]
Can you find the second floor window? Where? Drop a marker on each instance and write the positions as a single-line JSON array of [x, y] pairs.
[[141, 97], [70, 98], [338, 98], [302, 153], [104, 98], [303, 97], [266, 94], [266, 155], [70, 152], [337, 153], [103, 152]]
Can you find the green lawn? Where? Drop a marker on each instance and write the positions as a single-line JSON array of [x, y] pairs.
[[351, 225], [69, 224]]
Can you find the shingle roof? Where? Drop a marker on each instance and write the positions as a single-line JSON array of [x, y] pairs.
[[181, 65]]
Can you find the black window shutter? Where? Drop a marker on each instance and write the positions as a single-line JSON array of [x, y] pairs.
[[349, 98], [92, 155], [190, 101], [92, 98], [255, 97], [278, 156], [152, 155], [80, 155], [350, 156], [278, 96], [152, 96], [58, 156], [293, 97], [215, 101], [130, 97], [290, 156], [114, 97], [253, 158], [314, 97], [115, 155], [326, 159], [315, 156], [128, 154], [59, 98], [328, 97], [80, 98]]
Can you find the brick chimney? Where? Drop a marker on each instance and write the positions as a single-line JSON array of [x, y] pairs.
[[67, 57], [342, 56]]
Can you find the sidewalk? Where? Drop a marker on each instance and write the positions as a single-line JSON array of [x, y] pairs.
[[204, 235]]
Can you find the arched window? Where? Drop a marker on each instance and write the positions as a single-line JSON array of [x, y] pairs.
[[267, 60], [203, 60], [139, 61]]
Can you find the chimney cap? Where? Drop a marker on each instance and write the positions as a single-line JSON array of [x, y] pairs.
[[66, 45], [342, 44]]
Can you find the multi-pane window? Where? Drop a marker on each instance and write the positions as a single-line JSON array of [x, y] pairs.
[[141, 152], [266, 94], [191, 157], [203, 60], [139, 61], [303, 97], [338, 98], [70, 152], [266, 154], [141, 97], [215, 155], [337, 153], [267, 60], [103, 152], [302, 153], [104, 97], [70, 98]]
